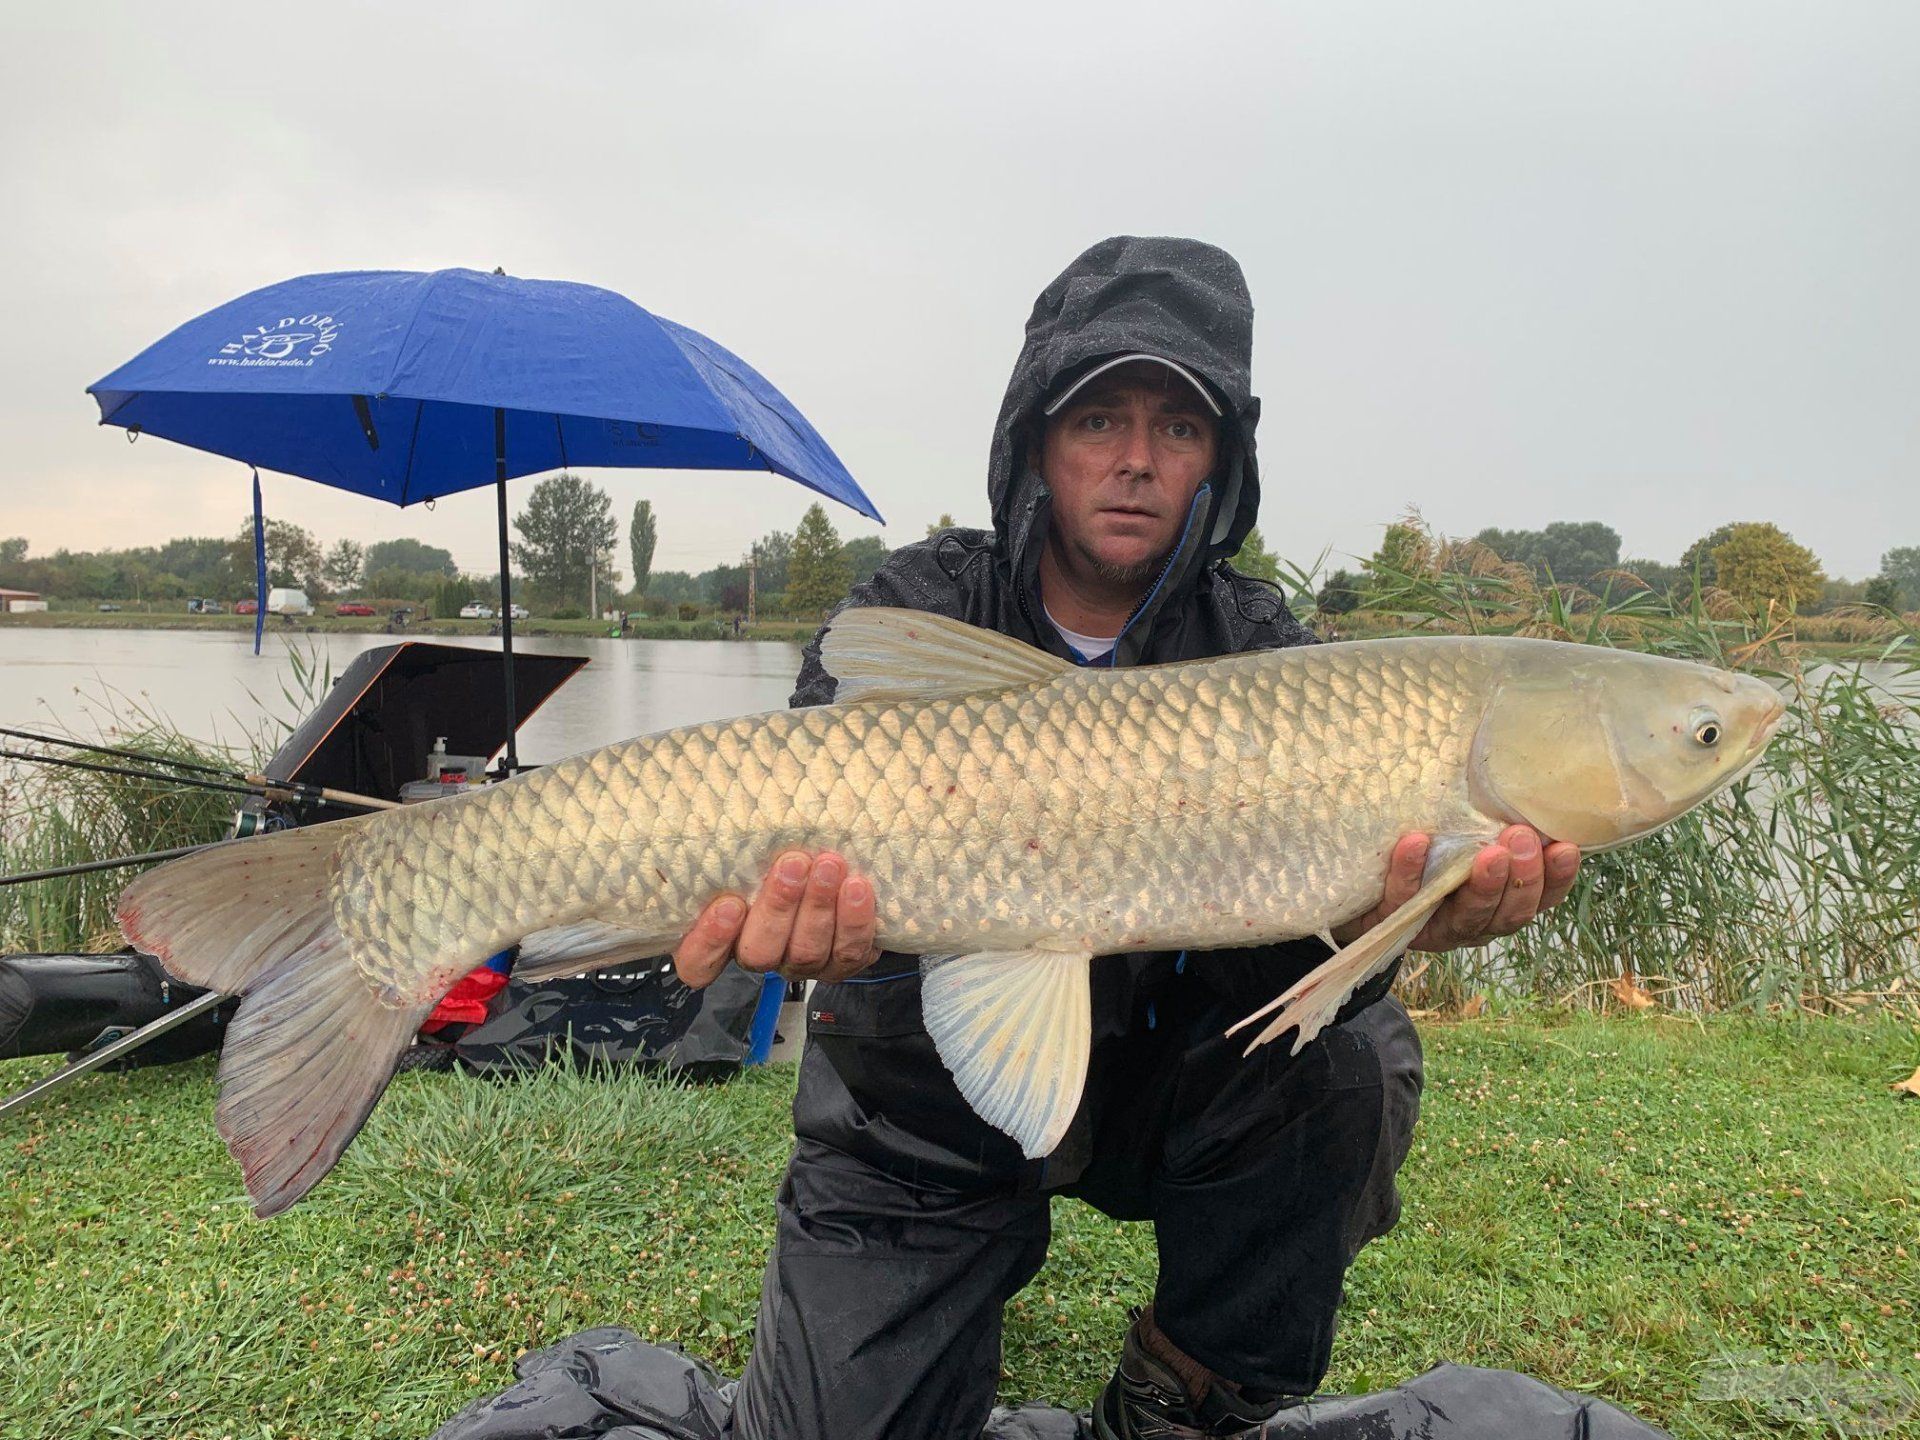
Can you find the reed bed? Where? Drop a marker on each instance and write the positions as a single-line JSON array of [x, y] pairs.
[[1797, 888]]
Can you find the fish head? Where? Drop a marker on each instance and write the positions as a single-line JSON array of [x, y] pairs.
[[1600, 747]]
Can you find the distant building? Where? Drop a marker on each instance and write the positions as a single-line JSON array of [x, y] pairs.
[[16, 601]]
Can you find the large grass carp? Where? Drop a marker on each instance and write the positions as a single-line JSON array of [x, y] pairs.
[[1018, 816]]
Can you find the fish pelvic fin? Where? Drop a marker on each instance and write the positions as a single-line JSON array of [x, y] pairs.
[[879, 652], [312, 1045], [1015, 1028], [1311, 1002]]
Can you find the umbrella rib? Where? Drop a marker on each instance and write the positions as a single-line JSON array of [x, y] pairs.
[[560, 435], [413, 449]]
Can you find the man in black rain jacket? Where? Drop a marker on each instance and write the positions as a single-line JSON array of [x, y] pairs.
[[906, 1222]]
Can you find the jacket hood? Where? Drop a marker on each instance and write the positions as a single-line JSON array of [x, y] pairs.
[[1183, 300]]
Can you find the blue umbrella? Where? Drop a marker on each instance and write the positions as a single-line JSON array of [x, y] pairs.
[[408, 385]]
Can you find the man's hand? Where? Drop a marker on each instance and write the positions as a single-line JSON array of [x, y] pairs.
[[1513, 880], [810, 921]]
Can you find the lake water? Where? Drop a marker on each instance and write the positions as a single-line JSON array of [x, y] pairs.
[[211, 685]]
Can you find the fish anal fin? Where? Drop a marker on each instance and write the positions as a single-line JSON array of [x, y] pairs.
[[585, 945], [1015, 1028], [877, 652], [1311, 1002]]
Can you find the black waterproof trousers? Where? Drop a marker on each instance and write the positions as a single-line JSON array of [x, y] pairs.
[[905, 1223]]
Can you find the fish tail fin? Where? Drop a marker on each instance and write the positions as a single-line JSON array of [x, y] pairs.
[[312, 1045]]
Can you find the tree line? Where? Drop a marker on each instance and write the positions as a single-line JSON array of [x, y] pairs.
[[567, 553]]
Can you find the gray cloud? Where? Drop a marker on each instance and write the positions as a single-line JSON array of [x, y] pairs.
[[1645, 263]]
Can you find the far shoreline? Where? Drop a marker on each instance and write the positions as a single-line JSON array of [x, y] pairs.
[[708, 628]]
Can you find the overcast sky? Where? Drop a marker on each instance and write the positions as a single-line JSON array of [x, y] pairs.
[[1654, 264]]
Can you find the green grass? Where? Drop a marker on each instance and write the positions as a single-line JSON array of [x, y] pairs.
[[1618, 1206]]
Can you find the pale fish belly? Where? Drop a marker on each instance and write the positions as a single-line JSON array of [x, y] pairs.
[[1247, 799]]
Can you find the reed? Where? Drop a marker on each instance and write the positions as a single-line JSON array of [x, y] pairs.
[[1797, 888]]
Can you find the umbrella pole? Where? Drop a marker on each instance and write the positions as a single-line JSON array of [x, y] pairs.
[[510, 760]]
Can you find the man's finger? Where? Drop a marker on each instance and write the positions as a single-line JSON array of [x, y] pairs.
[[704, 951], [1563, 866], [853, 933], [810, 946], [1462, 919], [1526, 881], [1404, 869], [763, 939]]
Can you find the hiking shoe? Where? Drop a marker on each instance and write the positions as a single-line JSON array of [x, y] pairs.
[[1146, 1401]]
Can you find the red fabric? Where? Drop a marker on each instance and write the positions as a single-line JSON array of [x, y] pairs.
[[466, 1002]]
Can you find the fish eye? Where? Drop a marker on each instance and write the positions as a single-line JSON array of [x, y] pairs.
[[1706, 728]]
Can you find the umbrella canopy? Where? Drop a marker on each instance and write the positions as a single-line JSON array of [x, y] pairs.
[[407, 386], [387, 383]]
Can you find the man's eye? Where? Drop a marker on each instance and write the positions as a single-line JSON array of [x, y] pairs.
[[1182, 430], [1097, 422]]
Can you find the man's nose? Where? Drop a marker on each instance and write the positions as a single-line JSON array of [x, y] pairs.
[[1136, 454]]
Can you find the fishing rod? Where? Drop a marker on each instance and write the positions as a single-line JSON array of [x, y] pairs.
[[252, 785], [119, 861], [98, 749]]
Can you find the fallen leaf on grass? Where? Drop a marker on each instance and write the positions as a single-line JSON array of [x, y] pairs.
[[1909, 1086], [1627, 991], [1475, 1006]]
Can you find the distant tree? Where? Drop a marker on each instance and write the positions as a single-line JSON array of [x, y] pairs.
[[343, 564], [1881, 590], [1572, 551], [1405, 550], [1697, 561], [817, 576], [1901, 565], [772, 554], [13, 551], [1340, 595], [724, 587], [293, 558], [1760, 564], [200, 561], [1253, 558], [415, 557], [567, 532], [864, 554], [945, 522], [1654, 575], [641, 535], [672, 586]]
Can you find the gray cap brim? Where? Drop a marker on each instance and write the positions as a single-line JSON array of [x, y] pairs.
[[1185, 374]]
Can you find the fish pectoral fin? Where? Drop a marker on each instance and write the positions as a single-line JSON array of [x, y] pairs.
[[1312, 1001], [1015, 1028], [878, 652], [585, 945]]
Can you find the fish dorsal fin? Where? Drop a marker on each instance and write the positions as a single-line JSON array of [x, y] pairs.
[[1015, 1028], [881, 653]]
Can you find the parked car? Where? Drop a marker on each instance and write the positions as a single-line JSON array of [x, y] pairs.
[[353, 607], [288, 602], [520, 612], [476, 610], [105, 606], [205, 607], [245, 607]]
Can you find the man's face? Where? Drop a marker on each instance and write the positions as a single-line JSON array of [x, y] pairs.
[[1124, 461]]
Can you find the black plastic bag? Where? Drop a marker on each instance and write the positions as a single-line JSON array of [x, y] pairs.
[[609, 1382]]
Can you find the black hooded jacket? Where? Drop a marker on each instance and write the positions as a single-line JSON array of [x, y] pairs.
[[1184, 301]]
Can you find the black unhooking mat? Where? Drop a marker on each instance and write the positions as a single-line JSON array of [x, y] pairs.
[[611, 1384]]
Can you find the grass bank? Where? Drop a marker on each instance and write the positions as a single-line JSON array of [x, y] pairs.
[[1647, 1209]]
